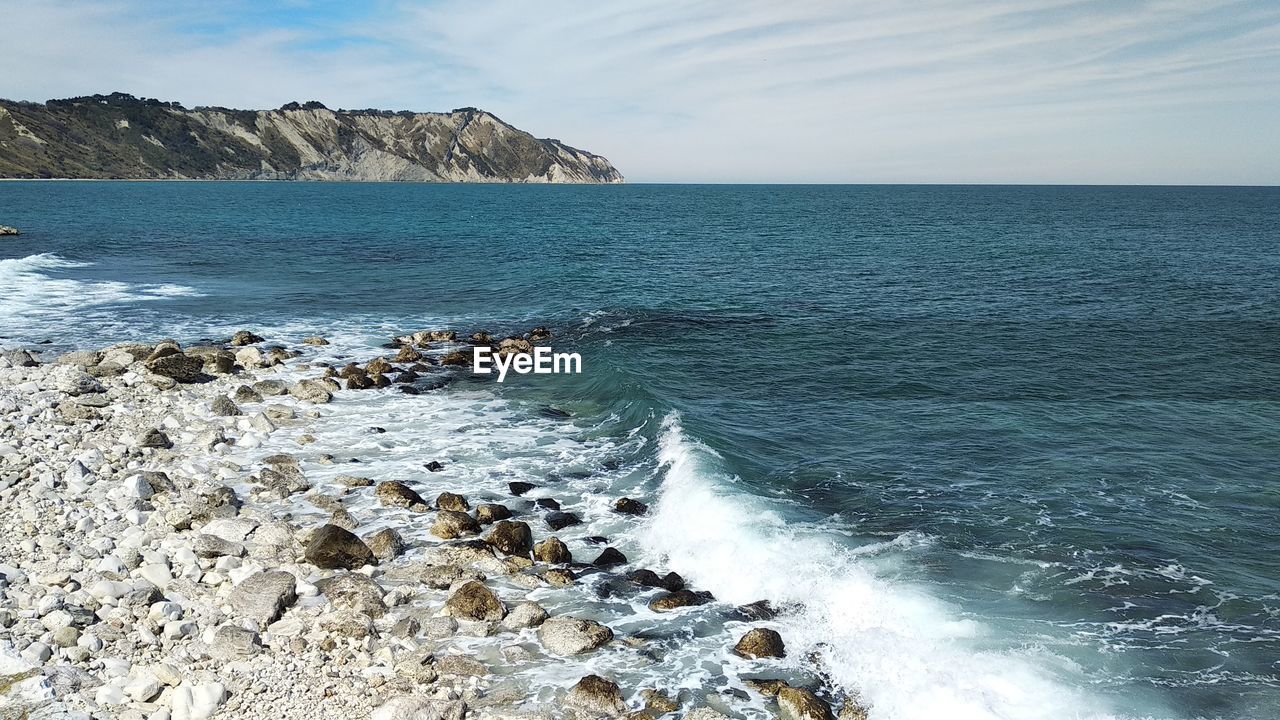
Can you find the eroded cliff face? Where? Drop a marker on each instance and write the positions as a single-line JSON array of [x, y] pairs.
[[118, 136]]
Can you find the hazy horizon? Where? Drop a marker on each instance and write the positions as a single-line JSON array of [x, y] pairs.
[[1037, 92]]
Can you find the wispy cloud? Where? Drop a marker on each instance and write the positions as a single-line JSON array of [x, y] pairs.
[[818, 90]]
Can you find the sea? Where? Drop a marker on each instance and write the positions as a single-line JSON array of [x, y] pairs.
[[995, 451]]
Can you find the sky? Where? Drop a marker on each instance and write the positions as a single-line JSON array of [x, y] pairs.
[[864, 91]]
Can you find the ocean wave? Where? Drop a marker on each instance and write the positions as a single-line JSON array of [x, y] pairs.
[[30, 289], [907, 655]]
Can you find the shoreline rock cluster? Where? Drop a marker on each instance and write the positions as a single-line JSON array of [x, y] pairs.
[[6, 230], [145, 574]]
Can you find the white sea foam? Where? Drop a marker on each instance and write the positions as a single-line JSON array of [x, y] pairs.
[[909, 656], [31, 289]]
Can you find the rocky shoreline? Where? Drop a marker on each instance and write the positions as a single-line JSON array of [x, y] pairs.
[[146, 573]]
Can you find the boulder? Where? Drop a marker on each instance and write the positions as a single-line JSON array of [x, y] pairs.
[[519, 488], [246, 394], [397, 494], [179, 367], [155, 439], [73, 381], [514, 346], [244, 337], [561, 520], [610, 557], [251, 358], [678, 599], [315, 340], [627, 506], [852, 710], [801, 704], [264, 596], [525, 615], [553, 551], [452, 501], [474, 601], [386, 544], [6, 230], [512, 538], [355, 592], [595, 696], [271, 387], [232, 643], [312, 391], [671, 582], [222, 406], [760, 643], [573, 636], [192, 701], [333, 548], [491, 513], [212, 546], [451, 524]]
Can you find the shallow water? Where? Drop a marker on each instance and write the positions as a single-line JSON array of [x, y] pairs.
[[1014, 449]]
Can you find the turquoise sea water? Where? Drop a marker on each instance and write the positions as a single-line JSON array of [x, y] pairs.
[[1016, 449]]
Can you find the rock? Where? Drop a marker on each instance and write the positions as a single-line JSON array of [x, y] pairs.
[[474, 601], [760, 643], [514, 346], [511, 538], [408, 355], [457, 358], [6, 230], [406, 628], [595, 696], [553, 551], [681, 598], [627, 506], [74, 381], [658, 702], [246, 394], [852, 711], [155, 439], [412, 707], [179, 367], [264, 596], [271, 387], [222, 406], [315, 340], [386, 544], [80, 358], [251, 358], [212, 546], [311, 391], [491, 513], [451, 524], [671, 582], [766, 687], [610, 557], [397, 494], [434, 466], [573, 636], [20, 358], [355, 592], [758, 610], [244, 337], [801, 704], [142, 686], [705, 713], [520, 488], [546, 504], [352, 481], [200, 701], [217, 362], [231, 643], [525, 615], [560, 520], [333, 548], [452, 501], [461, 665]]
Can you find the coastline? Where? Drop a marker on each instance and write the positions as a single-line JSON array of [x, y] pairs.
[[182, 581]]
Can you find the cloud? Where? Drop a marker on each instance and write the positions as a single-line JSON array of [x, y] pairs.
[[1121, 91]]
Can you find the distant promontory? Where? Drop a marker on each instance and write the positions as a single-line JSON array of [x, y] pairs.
[[123, 137]]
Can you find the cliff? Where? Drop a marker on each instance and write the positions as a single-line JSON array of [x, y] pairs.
[[120, 136]]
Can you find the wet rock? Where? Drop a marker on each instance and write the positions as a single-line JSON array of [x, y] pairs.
[[397, 494], [546, 504], [573, 636], [271, 387], [595, 696], [801, 704], [452, 501], [457, 358], [525, 615], [245, 337], [758, 610], [408, 355], [332, 547], [852, 710], [246, 394], [179, 367], [353, 481], [379, 366], [386, 544], [251, 358], [474, 601], [678, 599], [491, 513], [355, 592], [155, 439], [561, 520], [539, 334], [671, 582], [658, 702], [451, 524], [461, 666], [760, 643], [514, 346], [559, 577], [223, 407], [315, 340], [553, 551], [312, 391], [519, 488], [627, 506], [611, 557], [766, 687], [511, 538], [264, 596]]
